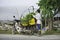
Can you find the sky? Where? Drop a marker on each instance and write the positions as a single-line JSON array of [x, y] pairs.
[[10, 8]]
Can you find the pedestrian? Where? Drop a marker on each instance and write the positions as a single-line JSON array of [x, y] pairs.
[[38, 18], [14, 28]]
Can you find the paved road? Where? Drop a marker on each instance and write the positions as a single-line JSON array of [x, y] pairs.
[[26, 37]]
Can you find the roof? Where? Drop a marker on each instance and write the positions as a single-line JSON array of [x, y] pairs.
[[57, 15]]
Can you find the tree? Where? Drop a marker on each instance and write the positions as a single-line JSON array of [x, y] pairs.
[[49, 8]]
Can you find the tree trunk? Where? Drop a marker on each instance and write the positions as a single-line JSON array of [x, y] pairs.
[[50, 24], [45, 22]]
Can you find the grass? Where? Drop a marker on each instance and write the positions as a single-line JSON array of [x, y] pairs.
[[52, 32], [49, 32], [7, 32]]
